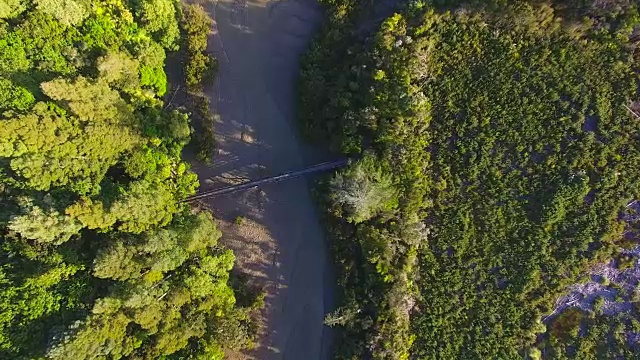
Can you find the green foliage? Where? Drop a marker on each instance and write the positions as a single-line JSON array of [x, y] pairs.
[[197, 25], [13, 55], [502, 126], [160, 252], [139, 207], [11, 8], [48, 148], [90, 101], [159, 18], [151, 57], [43, 225], [556, 209], [101, 255], [47, 44], [14, 98], [576, 336], [200, 66], [189, 300], [29, 297], [203, 138], [342, 316], [68, 12], [149, 53], [154, 78], [363, 190], [119, 70], [143, 206]]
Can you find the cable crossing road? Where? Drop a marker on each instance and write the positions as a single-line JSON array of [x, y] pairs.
[[325, 166]]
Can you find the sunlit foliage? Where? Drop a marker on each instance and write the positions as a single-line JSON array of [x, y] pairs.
[[101, 256]]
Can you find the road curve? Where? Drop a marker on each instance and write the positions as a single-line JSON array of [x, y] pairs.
[[280, 242]]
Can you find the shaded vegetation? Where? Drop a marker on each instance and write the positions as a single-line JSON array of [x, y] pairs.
[[203, 139], [504, 130], [199, 70]]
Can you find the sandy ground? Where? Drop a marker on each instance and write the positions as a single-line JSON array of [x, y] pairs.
[[280, 243]]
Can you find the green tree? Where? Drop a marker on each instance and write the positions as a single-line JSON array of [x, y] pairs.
[[43, 225], [363, 190], [11, 8], [14, 98], [199, 65], [68, 12], [90, 101], [119, 70], [48, 148], [504, 126], [159, 18], [117, 262]]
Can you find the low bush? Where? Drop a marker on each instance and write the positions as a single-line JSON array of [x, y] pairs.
[[203, 139]]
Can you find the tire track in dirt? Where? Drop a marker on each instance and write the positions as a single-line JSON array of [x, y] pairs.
[[280, 243]]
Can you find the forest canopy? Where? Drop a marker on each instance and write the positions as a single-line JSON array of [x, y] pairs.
[[505, 142], [101, 256]]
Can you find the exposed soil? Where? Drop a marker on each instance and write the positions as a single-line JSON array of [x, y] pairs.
[[280, 242]]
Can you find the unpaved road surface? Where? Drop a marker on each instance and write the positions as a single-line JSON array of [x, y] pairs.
[[280, 242]]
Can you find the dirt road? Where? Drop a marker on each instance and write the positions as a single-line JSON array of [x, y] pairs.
[[279, 242]]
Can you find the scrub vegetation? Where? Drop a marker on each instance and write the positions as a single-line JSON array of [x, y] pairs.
[[101, 257], [199, 70], [498, 147]]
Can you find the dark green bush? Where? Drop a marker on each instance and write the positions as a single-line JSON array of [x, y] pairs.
[[203, 121], [496, 123], [200, 66]]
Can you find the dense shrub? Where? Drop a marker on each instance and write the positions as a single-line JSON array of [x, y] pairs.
[[503, 130]]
